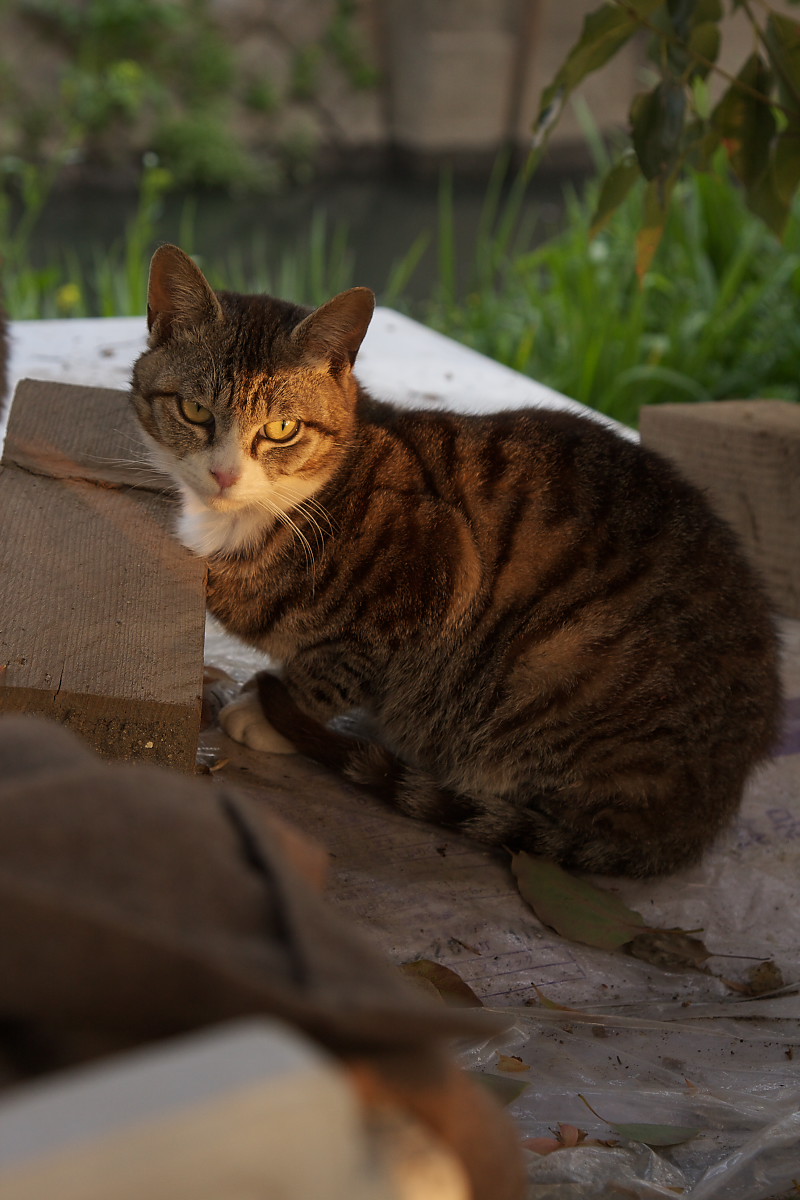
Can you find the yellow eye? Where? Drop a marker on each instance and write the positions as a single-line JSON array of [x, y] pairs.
[[280, 431], [195, 414]]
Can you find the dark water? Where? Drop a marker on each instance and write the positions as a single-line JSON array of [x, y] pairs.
[[381, 217]]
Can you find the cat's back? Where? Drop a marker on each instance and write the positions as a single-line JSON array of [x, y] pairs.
[[606, 577]]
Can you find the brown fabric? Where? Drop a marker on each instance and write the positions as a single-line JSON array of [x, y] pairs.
[[136, 904]]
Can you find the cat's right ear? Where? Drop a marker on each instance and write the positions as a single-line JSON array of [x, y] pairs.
[[178, 294]]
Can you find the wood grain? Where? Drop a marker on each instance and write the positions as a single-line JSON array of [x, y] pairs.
[[745, 454], [101, 610]]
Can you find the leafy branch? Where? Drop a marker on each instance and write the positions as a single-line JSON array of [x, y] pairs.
[[755, 123]]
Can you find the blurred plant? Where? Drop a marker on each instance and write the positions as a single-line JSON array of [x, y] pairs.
[[347, 46], [714, 318], [674, 125], [156, 71], [112, 280]]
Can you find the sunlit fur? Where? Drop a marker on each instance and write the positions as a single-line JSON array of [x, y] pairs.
[[558, 644]]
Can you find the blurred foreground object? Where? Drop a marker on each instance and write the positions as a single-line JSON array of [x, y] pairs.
[[137, 905]]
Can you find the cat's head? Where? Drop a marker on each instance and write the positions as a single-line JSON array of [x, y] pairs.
[[247, 402]]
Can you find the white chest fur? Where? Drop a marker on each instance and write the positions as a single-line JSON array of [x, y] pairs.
[[206, 532]]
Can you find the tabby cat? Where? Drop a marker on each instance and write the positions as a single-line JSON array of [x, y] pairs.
[[557, 645]]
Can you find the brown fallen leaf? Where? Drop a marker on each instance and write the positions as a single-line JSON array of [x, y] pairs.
[[671, 949], [570, 1135], [565, 1138], [511, 1062], [763, 978], [542, 1145], [448, 983]]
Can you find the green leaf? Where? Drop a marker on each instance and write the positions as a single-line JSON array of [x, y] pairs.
[[704, 43], [649, 1135], [616, 186], [745, 124], [657, 127], [654, 1135], [504, 1090], [681, 14], [782, 39], [770, 196], [604, 31], [708, 10], [574, 907]]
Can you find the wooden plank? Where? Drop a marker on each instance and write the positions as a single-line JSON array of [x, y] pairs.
[[101, 610], [745, 454]]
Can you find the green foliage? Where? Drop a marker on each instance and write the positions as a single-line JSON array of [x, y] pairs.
[[201, 152], [347, 46], [715, 317], [152, 72], [113, 282], [305, 69], [756, 121], [341, 42]]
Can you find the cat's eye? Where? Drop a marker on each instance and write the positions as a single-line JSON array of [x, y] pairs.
[[194, 413], [279, 431]]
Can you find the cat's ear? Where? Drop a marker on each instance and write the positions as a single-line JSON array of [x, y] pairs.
[[331, 335], [177, 293]]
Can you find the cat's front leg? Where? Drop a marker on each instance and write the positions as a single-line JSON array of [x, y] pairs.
[[245, 721], [266, 717]]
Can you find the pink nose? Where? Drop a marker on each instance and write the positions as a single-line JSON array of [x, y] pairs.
[[225, 479]]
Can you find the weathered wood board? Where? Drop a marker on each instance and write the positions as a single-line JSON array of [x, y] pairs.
[[101, 610], [745, 454]]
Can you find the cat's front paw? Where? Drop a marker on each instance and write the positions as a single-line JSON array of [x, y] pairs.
[[244, 721]]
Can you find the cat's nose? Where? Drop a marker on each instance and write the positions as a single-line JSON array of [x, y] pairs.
[[226, 479]]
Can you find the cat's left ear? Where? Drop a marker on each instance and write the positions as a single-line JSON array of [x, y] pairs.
[[331, 335]]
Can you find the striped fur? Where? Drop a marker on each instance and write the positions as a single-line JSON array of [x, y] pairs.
[[561, 647]]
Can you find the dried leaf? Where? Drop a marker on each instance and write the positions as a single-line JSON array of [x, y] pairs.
[[567, 1137], [511, 1062], [570, 1135], [672, 949], [574, 907], [448, 983], [542, 1145], [761, 979]]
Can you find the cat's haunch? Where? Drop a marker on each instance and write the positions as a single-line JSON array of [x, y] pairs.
[[560, 646]]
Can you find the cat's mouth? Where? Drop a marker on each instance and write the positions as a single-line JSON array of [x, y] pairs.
[[222, 503]]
